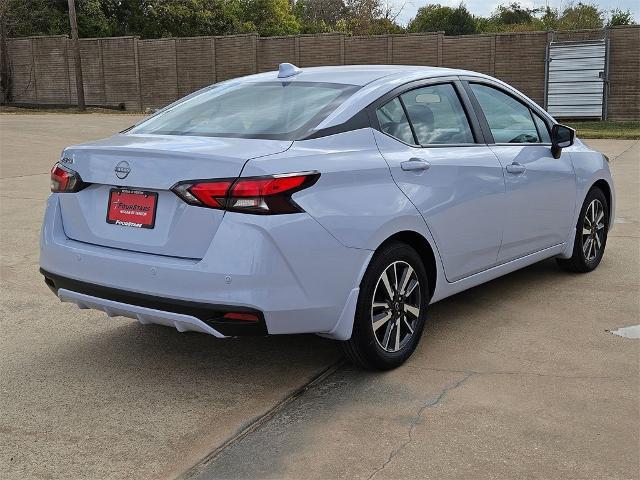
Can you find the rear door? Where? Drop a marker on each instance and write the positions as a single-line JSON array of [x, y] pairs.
[[432, 142], [540, 189]]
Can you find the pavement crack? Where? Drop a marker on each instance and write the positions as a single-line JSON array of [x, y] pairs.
[[551, 375], [625, 150], [23, 176], [530, 374], [261, 420], [434, 402]]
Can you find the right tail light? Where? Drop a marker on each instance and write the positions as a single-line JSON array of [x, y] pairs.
[[269, 195]]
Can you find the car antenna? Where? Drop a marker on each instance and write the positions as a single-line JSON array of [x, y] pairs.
[[286, 70]]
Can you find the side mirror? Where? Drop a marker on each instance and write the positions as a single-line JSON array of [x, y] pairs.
[[561, 137]]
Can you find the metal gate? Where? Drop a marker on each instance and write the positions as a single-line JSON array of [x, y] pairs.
[[576, 79]]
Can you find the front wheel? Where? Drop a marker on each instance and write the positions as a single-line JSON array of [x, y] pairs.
[[591, 234], [391, 309]]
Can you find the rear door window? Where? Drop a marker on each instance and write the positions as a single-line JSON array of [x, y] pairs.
[[437, 115], [393, 121]]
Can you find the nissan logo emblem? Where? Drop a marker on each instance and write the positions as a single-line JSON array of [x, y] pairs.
[[122, 170]]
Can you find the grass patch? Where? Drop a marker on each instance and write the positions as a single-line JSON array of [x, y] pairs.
[[618, 130]]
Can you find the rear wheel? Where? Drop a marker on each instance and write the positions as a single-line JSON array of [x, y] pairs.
[[591, 234], [391, 310]]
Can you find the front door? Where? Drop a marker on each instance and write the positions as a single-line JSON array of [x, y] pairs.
[[456, 184], [540, 189]]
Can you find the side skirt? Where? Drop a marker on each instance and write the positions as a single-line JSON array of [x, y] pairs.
[[446, 289]]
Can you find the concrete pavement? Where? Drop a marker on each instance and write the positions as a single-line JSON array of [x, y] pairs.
[[516, 379]]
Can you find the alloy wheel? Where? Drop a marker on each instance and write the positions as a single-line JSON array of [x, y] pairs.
[[395, 307], [593, 230]]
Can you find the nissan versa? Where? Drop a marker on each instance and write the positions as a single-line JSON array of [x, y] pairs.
[[340, 201]]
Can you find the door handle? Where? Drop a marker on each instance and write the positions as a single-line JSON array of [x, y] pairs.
[[414, 164], [516, 168]]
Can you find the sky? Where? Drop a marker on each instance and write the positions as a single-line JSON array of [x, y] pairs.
[[486, 7]]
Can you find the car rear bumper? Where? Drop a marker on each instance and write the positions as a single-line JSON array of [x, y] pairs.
[[286, 267], [181, 314]]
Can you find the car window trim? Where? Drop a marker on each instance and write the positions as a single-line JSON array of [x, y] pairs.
[[535, 125], [406, 114], [534, 115], [474, 125], [533, 109], [375, 124]]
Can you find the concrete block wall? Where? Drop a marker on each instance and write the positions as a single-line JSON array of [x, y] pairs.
[[415, 49], [195, 63], [121, 72], [577, 36], [470, 52], [274, 50], [520, 61], [152, 73], [92, 72], [369, 50], [624, 74], [52, 69], [235, 56], [319, 50], [158, 72]]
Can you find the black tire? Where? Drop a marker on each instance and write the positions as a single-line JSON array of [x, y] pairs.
[[585, 258], [365, 348]]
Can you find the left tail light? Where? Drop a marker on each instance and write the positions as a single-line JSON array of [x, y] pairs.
[[63, 179], [270, 195]]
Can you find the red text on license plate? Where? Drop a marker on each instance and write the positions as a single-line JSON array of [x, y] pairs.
[[132, 208]]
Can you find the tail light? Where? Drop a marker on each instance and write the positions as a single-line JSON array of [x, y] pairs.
[[258, 195], [63, 179]]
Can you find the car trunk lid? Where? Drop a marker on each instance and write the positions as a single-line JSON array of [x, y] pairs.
[[153, 164]]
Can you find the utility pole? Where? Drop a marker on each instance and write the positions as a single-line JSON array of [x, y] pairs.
[[76, 54]]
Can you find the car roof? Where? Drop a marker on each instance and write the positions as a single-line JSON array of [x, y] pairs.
[[356, 74]]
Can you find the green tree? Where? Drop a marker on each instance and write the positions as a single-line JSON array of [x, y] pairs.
[[185, 18], [513, 14], [364, 9], [549, 18], [369, 26], [176, 18], [368, 17], [92, 20], [620, 17], [581, 16], [318, 16], [34, 17], [50, 17], [268, 17], [512, 17], [435, 17]]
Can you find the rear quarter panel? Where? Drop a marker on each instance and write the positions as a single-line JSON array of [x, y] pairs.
[[355, 199]]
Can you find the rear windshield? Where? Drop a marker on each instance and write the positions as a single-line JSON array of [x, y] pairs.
[[270, 110]]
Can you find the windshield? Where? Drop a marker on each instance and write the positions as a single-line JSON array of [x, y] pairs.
[[270, 110]]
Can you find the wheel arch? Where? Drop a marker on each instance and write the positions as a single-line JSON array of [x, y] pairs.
[[424, 249], [603, 185]]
